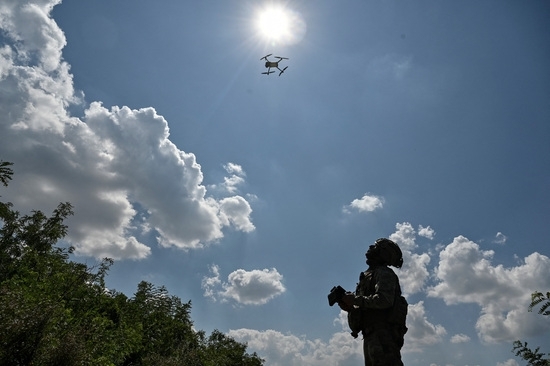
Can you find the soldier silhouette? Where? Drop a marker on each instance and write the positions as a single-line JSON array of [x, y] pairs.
[[377, 308]]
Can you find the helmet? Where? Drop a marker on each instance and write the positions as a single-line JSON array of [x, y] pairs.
[[389, 252]]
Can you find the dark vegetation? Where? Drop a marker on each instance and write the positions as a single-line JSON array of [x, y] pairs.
[[534, 357], [55, 311]]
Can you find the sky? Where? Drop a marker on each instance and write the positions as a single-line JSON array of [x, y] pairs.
[[251, 195]]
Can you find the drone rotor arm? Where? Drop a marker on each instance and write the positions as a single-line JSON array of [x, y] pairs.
[[265, 57]]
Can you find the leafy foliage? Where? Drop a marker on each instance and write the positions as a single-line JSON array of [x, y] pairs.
[[534, 357], [538, 298], [5, 172], [58, 312]]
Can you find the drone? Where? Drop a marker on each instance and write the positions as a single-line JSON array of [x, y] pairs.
[[270, 64]]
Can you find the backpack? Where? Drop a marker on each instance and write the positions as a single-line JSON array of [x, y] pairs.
[[398, 312]]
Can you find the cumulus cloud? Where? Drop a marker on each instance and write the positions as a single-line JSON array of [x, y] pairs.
[[341, 349], [117, 165], [232, 182], [236, 211], [414, 273], [465, 274], [256, 287], [233, 168], [460, 338], [34, 32], [280, 349], [421, 332], [209, 284], [426, 232], [367, 203], [342, 320]]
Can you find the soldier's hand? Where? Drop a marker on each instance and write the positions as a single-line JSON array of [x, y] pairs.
[[345, 306], [346, 303]]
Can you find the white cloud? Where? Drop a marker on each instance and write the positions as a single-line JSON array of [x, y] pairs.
[[116, 166], [231, 183], [414, 273], [30, 25], [342, 320], [460, 338], [233, 168], [510, 362], [426, 232], [500, 238], [280, 349], [465, 274], [367, 203], [256, 287], [421, 331], [236, 210], [289, 349], [404, 236], [209, 284]]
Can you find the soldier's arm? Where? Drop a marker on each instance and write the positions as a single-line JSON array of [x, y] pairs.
[[383, 297]]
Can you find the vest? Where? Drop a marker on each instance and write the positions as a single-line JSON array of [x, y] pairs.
[[370, 318]]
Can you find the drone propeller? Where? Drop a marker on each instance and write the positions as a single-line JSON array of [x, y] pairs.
[[268, 72], [265, 57], [281, 58], [283, 70]]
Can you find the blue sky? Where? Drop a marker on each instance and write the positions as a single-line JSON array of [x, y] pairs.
[[252, 195]]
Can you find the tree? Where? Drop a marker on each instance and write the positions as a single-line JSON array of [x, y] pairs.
[[221, 350], [167, 335], [539, 298], [55, 311], [534, 357], [5, 172]]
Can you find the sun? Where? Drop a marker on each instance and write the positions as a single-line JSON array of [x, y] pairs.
[[279, 25], [274, 23]]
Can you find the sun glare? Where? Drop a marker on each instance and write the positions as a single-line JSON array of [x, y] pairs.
[[273, 23], [279, 25]]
